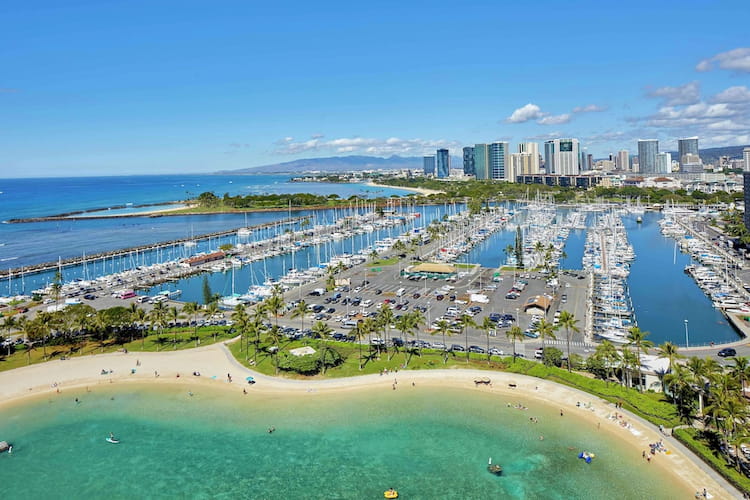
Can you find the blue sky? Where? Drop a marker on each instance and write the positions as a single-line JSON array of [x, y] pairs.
[[106, 87]]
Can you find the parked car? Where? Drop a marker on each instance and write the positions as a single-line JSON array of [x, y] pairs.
[[494, 351], [476, 349]]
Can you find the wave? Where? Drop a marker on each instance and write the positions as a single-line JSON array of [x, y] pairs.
[[8, 258]]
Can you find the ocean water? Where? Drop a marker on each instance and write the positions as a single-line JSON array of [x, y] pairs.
[[426, 442], [28, 244]]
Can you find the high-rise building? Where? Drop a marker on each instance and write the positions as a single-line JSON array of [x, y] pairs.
[[429, 165], [481, 161], [663, 163], [647, 151], [498, 157], [566, 157], [687, 147], [746, 159], [549, 157], [469, 160], [532, 148], [691, 164], [443, 163], [622, 161], [746, 183], [521, 164]]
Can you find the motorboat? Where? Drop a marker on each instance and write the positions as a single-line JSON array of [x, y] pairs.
[[495, 469]]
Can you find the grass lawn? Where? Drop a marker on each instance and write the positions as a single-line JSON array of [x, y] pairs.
[[383, 262]]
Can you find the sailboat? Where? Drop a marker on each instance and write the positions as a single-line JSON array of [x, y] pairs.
[[246, 230]]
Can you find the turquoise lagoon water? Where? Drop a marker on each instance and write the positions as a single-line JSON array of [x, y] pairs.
[[425, 442]]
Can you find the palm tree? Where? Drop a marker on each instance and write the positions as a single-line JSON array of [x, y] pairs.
[[275, 333], [56, 288], [9, 323], [299, 312], [699, 373], [359, 333], [212, 309], [443, 328], [158, 316], [628, 361], [487, 326], [273, 305], [241, 321], [545, 329], [668, 350], [321, 328], [255, 325], [568, 321], [138, 317], [683, 392], [174, 314], [607, 352], [44, 323], [466, 321], [740, 371], [417, 320], [514, 334], [370, 326], [405, 326], [385, 320], [637, 338], [192, 309]]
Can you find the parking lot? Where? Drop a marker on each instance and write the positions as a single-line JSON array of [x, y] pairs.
[[371, 289]]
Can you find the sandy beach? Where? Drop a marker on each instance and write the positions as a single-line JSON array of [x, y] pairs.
[[215, 362], [422, 191]]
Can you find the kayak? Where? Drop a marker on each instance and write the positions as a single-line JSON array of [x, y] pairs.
[[113, 440]]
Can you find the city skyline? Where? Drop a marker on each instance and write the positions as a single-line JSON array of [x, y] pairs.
[[108, 89]]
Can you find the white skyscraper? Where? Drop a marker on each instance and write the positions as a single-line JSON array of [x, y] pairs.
[[746, 157], [566, 157], [663, 163]]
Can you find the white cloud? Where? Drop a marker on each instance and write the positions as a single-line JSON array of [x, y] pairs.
[[590, 108], [371, 146], [525, 113], [554, 119], [737, 60], [736, 94], [678, 96]]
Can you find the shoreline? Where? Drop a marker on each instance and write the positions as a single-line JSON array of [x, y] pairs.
[[421, 191], [214, 362]]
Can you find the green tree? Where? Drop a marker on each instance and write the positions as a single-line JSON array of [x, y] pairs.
[[192, 309], [637, 338], [466, 321], [514, 334], [568, 321], [546, 330], [443, 328], [299, 312], [208, 295]]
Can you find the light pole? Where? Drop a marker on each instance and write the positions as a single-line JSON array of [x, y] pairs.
[[687, 343]]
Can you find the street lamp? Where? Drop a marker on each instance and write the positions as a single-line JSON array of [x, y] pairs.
[[687, 343]]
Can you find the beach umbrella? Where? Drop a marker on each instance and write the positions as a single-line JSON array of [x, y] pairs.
[[250, 380]]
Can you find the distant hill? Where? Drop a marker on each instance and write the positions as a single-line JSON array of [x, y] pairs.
[[711, 155], [334, 164], [340, 164]]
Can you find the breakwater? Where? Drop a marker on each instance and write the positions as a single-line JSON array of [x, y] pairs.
[[75, 261]]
